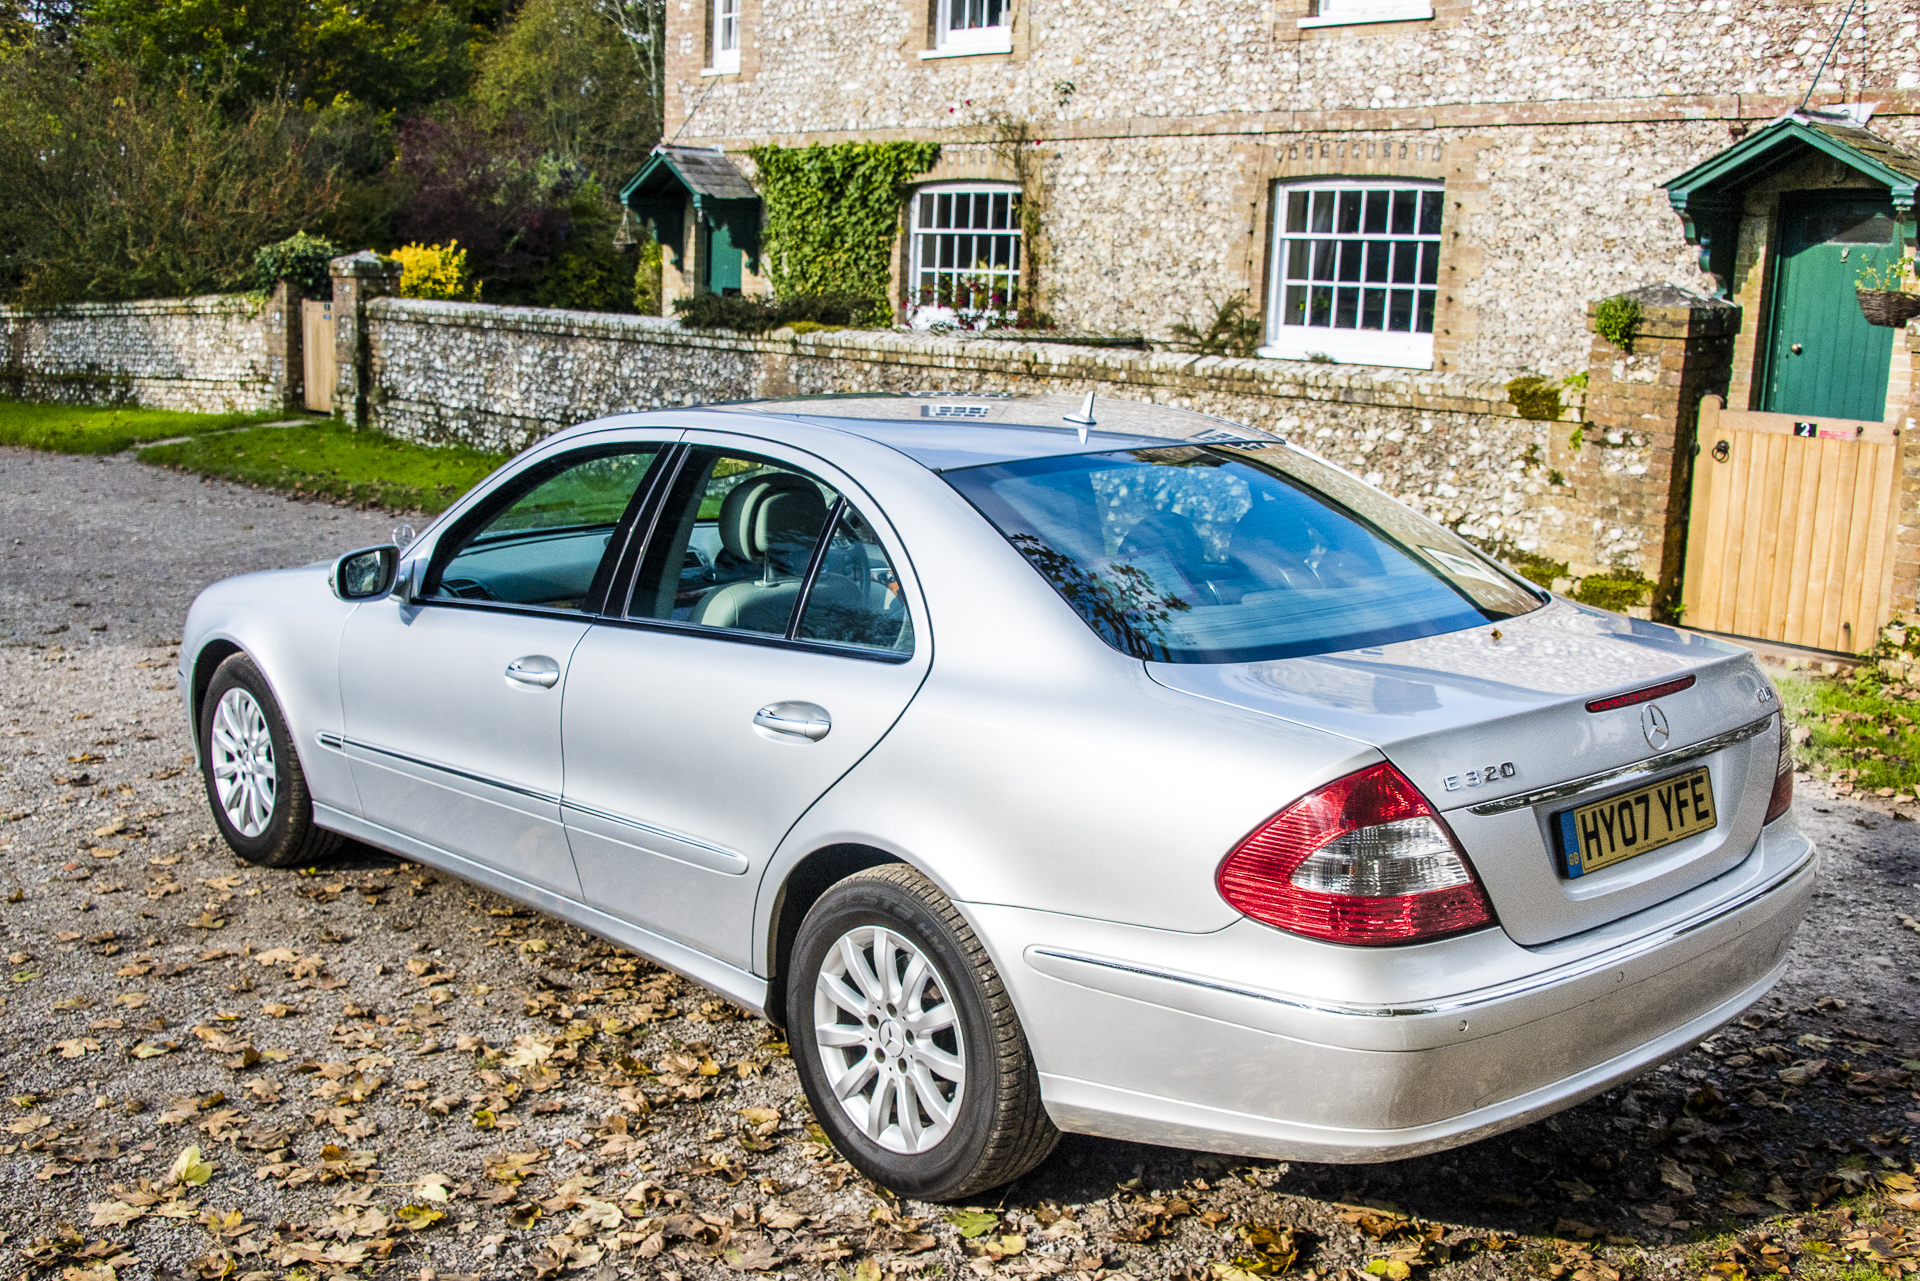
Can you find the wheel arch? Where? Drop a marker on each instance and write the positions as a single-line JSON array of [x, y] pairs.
[[215, 652], [804, 883]]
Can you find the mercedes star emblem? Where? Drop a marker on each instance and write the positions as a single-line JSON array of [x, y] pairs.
[[1653, 723]]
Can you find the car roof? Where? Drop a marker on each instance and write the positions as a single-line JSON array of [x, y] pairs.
[[948, 432]]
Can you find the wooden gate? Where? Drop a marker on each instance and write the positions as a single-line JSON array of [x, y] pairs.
[[1790, 536], [316, 350]]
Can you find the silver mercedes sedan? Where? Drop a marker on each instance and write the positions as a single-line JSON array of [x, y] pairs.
[[1039, 765]]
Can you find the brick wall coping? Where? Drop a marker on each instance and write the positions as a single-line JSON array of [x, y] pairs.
[[1174, 371], [245, 306]]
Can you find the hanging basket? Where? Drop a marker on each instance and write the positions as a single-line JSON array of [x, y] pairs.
[[1887, 307]]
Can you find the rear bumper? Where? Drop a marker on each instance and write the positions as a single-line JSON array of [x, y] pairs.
[[1199, 1041]]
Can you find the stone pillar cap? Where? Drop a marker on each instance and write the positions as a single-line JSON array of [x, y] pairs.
[[364, 263]]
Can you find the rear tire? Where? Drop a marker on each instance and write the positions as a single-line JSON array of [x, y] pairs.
[[254, 783], [907, 1044]]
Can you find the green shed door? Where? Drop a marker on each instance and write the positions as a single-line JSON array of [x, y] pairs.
[[723, 265], [1823, 358]]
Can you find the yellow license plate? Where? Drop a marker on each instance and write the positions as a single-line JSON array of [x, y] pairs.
[[1622, 827]]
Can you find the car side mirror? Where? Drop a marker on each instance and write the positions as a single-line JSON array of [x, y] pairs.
[[367, 573]]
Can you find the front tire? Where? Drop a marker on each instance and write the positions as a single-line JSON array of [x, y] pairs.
[[907, 1044], [255, 787]]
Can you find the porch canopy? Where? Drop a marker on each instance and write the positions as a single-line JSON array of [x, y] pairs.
[[1709, 196], [720, 193]]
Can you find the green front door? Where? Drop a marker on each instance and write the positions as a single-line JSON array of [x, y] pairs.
[[723, 262], [1823, 358]]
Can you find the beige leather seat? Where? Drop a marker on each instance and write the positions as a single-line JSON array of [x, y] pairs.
[[773, 521]]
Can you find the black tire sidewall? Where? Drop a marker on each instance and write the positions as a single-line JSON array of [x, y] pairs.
[[240, 672], [923, 1176]]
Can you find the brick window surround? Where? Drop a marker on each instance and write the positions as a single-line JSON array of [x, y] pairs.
[[1355, 271], [964, 264], [962, 27]]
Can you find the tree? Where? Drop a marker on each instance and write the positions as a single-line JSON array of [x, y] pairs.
[[575, 79], [389, 53], [117, 189]]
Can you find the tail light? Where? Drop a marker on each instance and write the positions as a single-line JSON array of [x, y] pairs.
[[1782, 799], [1364, 860]]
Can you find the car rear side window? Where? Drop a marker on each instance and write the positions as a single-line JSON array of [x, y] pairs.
[[855, 598], [1192, 555], [546, 545]]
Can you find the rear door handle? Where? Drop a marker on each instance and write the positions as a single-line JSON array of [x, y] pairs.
[[800, 720], [534, 669]]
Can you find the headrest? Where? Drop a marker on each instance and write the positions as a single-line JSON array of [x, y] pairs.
[[765, 511], [1168, 533]]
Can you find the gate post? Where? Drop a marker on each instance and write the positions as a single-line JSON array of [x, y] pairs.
[[1631, 464], [357, 278], [285, 373]]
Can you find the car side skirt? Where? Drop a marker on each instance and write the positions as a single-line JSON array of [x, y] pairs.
[[736, 985]]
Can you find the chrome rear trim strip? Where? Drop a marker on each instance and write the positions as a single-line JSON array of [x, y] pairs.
[[1639, 769], [1613, 957]]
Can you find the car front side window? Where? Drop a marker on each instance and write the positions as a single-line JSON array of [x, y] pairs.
[[545, 545]]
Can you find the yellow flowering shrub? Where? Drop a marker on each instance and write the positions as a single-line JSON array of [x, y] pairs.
[[436, 271]]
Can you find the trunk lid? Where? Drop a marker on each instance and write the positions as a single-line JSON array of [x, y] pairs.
[[1497, 713]]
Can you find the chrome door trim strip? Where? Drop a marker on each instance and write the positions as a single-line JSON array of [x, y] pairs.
[[437, 767], [731, 857], [1621, 955], [1639, 769]]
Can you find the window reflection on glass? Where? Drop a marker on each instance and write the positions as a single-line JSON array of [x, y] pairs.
[[855, 598], [546, 546]]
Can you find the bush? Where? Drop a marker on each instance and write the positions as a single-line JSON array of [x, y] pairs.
[[300, 260], [436, 271], [758, 315], [1616, 319], [1233, 330], [646, 279]]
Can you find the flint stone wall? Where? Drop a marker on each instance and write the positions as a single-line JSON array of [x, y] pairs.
[[203, 355], [500, 378]]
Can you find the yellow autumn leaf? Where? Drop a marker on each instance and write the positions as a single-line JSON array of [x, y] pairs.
[[418, 1218], [189, 1168]]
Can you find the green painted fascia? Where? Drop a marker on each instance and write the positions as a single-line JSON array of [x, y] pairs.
[[1699, 180]]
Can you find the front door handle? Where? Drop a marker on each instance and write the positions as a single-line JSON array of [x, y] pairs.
[[800, 720], [534, 669]]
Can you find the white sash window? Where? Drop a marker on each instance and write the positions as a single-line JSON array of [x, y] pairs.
[[971, 26], [1356, 272], [726, 36], [966, 255]]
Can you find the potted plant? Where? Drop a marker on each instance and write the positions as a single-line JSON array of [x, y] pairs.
[[1889, 295]]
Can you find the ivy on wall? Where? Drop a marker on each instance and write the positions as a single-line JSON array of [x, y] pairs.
[[832, 212]]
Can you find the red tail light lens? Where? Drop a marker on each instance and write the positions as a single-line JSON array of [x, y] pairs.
[[1364, 860], [1782, 799]]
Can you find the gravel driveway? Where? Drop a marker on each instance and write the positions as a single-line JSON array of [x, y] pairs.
[[380, 1069]]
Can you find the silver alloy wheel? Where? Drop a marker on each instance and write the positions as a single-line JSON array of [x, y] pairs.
[[889, 1038], [244, 777]]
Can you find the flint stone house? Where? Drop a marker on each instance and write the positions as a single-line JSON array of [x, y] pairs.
[[1429, 195]]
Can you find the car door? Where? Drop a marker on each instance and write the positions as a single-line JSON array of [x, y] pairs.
[[768, 643], [452, 700]]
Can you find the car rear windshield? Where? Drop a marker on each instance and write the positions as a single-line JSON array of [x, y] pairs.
[[1201, 555]]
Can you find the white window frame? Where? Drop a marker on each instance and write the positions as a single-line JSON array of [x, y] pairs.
[[1402, 349], [1345, 13], [928, 245], [974, 34], [726, 37]]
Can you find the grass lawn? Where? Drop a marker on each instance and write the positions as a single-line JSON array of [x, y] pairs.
[[86, 429], [1863, 731], [328, 460]]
